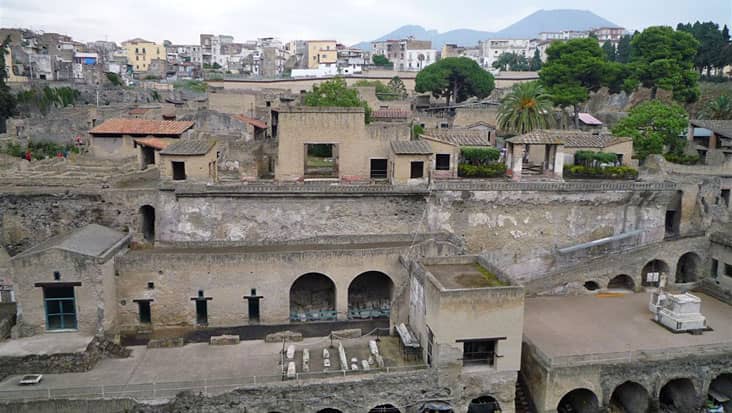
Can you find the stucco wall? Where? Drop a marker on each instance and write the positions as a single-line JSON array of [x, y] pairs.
[[197, 167]]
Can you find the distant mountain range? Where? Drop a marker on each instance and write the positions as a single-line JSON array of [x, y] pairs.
[[526, 28]]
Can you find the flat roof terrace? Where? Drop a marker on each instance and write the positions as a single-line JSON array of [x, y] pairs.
[[596, 328], [459, 276]]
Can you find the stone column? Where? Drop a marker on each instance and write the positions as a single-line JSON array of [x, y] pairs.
[[341, 303], [517, 161], [509, 150], [558, 160]]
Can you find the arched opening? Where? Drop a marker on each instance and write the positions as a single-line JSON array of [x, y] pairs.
[[436, 406], [579, 401], [678, 395], [384, 408], [629, 397], [652, 272], [687, 269], [369, 295], [720, 392], [621, 282], [484, 404], [312, 298], [592, 286], [147, 219], [329, 410]]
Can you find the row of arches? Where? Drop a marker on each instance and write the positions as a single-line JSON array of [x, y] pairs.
[[688, 269], [483, 404], [677, 395], [313, 297]]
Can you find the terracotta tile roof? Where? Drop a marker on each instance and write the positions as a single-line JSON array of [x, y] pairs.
[[480, 123], [569, 138], [190, 147], [138, 111], [252, 121], [411, 148], [118, 126], [459, 137], [152, 142], [719, 127], [588, 119], [391, 114]]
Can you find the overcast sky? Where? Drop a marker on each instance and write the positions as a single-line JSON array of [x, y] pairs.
[[348, 21]]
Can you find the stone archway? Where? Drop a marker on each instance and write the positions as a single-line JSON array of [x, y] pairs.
[[369, 295], [385, 408], [621, 282], [591, 285], [721, 389], [652, 272], [147, 222], [312, 298], [484, 404], [329, 410], [579, 401], [678, 395], [630, 397], [688, 268]]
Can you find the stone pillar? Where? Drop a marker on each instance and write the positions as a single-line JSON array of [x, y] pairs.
[[517, 161], [712, 141], [509, 150], [342, 302], [558, 160]]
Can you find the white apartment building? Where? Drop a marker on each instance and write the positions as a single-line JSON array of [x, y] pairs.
[[493, 48], [406, 54]]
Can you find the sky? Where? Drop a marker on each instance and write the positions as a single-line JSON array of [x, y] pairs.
[[348, 21]]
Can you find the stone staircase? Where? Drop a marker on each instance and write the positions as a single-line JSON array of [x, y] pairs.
[[532, 169]]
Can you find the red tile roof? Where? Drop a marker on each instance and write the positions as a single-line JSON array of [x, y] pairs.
[[120, 126], [138, 111], [156, 143], [391, 114], [252, 121]]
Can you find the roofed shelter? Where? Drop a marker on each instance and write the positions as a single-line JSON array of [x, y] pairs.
[[410, 161], [446, 144], [517, 150], [119, 138], [716, 145], [191, 159]]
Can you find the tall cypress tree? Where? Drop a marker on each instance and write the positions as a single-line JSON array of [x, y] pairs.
[[535, 64], [609, 49], [622, 54]]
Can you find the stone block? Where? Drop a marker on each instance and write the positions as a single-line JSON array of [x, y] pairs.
[[166, 342], [348, 333], [282, 335], [224, 340]]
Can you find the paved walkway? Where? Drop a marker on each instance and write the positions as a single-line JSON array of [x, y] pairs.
[[50, 343]]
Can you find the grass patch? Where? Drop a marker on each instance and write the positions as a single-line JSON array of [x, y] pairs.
[[491, 278]]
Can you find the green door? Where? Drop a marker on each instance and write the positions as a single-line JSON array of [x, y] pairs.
[[60, 308]]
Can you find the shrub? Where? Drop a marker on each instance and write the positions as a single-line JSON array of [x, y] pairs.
[[39, 150], [417, 130], [681, 158], [481, 171], [594, 172], [114, 78], [479, 155]]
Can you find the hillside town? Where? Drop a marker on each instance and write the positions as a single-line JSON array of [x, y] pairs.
[[526, 223]]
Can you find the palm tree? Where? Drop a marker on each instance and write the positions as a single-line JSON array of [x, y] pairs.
[[525, 108], [718, 109]]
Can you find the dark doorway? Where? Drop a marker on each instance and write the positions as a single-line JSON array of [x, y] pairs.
[[687, 269], [673, 215], [678, 395], [652, 273], [60, 308], [253, 305], [378, 168], [384, 408], [592, 286], [369, 296], [630, 397], [579, 401], [484, 404], [312, 298], [179, 170], [147, 216], [201, 312], [148, 156], [416, 170], [321, 160], [143, 307], [720, 391], [621, 282]]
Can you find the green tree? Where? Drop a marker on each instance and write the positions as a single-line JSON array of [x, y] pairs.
[[383, 92], [525, 108], [622, 53], [535, 63], [664, 58], [336, 93], [654, 125], [717, 109], [511, 61], [610, 52], [711, 43], [397, 87], [7, 99], [572, 70], [456, 78], [380, 60]]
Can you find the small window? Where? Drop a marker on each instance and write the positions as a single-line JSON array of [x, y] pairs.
[[56, 275], [444, 125], [728, 270], [725, 196], [378, 168], [144, 308], [715, 268], [442, 162], [151, 286], [416, 170], [179, 170], [479, 352]]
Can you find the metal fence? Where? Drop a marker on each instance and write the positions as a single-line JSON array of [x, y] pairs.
[[168, 390]]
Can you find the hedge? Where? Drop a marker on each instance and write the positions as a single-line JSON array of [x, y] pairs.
[[609, 172], [481, 171], [681, 158], [480, 155]]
